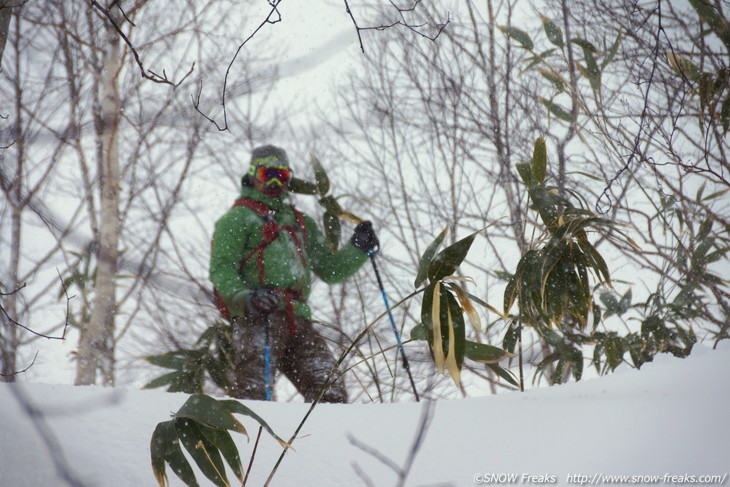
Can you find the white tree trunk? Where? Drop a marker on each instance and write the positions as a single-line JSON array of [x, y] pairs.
[[96, 344]]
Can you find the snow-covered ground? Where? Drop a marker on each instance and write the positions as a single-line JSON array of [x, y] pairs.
[[667, 424]]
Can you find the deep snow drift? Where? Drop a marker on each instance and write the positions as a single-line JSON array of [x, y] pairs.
[[669, 421]]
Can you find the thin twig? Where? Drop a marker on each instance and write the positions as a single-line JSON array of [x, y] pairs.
[[196, 100], [402, 22], [13, 321], [642, 121], [21, 371], [146, 73]]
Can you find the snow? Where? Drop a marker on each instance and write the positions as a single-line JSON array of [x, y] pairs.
[[670, 418]]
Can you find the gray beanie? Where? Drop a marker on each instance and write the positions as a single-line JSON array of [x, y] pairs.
[[268, 155]]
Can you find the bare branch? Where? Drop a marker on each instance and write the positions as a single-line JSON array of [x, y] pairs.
[[401, 21], [273, 17], [23, 370], [635, 152], [13, 321], [146, 73]]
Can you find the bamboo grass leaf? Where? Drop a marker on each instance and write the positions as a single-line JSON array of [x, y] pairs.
[[204, 409], [448, 260], [539, 160], [438, 344], [427, 257], [320, 175], [223, 442], [522, 37], [553, 32], [206, 456], [233, 406], [450, 362], [558, 111]]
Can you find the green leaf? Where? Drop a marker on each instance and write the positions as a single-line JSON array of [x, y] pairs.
[[330, 204], [524, 169], [585, 45], [576, 359], [705, 229], [234, 406], [170, 360], [419, 332], [558, 111], [553, 32], [510, 294], [593, 72], [165, 447], [611, 52], [164, 380], [209, 412], [157, 453], [519, 35], [427, 257], [332, 230], [301, 186], [625, 303], [206, 456], [553, 78], [459, 329], [218, 370], [448, 260], [610, 302], [481, 352], [511, 337], [715, 195], [539, 160], [504, 374], [320, 175], [224, 443], [537, 59], [709, 14]]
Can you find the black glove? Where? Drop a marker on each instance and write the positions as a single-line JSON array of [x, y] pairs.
[[364, 237], [262, 301]]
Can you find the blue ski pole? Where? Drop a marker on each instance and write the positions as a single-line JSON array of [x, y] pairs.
[[267, 358], [406, 365]]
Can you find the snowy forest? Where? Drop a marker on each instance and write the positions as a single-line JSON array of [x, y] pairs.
[[568, 159]]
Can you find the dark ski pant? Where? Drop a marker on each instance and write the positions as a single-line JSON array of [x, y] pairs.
[[303, 358]]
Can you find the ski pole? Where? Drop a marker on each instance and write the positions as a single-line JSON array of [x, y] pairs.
[[406, 365], [267, 357]]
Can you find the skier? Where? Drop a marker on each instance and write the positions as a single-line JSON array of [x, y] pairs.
[[264, 252]]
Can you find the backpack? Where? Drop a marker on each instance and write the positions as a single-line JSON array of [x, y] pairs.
[[270, 232]]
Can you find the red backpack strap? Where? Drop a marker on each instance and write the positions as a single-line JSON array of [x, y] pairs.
[[292, 231], [269, 232]]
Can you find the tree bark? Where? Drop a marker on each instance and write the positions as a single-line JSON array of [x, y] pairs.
[[96, 344], [13, 190]]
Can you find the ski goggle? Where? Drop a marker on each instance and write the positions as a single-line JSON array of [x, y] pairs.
[[273, 175]]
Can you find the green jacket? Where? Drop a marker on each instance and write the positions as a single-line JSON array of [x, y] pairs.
[[239, 232]]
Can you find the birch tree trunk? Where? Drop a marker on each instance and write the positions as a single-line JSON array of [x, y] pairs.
[[12, 188], [96, 343]]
